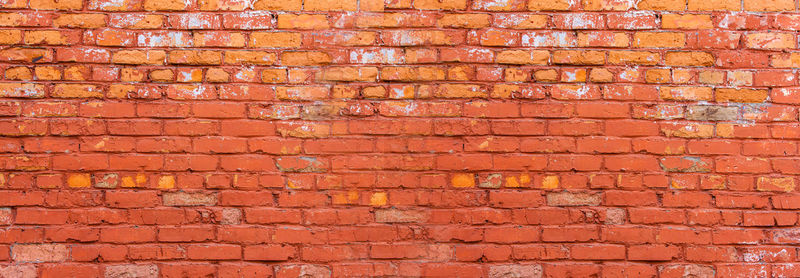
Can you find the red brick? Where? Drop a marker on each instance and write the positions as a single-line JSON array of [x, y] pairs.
[[187, 269], [214, 252], [570, 234], [82, 270], [131, 234], [653, 252], [598, 252], [576, 269], [711, 254], [737, 236], [101, 253], [511, 234]]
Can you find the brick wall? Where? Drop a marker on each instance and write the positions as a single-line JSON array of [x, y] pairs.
[[444, 138]]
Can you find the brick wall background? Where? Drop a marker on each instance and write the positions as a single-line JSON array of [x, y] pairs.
[[444, 138]]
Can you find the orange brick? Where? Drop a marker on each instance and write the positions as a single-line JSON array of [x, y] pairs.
[[607, 5], [302, 21], [553, 5], [576, 57], [330, 5], [76, 91], [275, 39], [685, 93], [686, 21], [440, 4], [665, 5], [249, 58], [165, 5], [633, 57], [464, 20], [56, 5], [463, 180], [194, 57], [305, 58], [278, 5], [79, 180], [715, 5], [689, 59], [659, 39], [769, 5], [770, 40], [88, 21], [740, 95], [522, 57], [138, 57]]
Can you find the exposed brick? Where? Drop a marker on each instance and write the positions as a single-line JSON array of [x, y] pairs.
[[189, 199], [302, 270], [25, 271], [687, 270], [771, 5], [398, 216], [712, 113], [143, 271], [533, 271], [356, 138], [37, 253], [573, 199]]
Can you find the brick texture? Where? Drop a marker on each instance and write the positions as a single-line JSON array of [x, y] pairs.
[[435, 138]]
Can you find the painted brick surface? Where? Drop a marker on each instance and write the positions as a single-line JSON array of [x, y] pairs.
[[436, 138]]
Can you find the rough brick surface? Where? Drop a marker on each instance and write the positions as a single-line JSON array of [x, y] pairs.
[[439, 138]]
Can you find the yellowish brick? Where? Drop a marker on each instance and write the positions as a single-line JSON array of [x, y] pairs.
[[79, 180], [463, 180]]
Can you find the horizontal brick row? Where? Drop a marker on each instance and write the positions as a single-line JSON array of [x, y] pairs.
[[378, 5], [349, 269]]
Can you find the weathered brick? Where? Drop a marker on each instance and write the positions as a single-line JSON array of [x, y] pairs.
[[275, 39], [56, 5], [533, 271], [189, 199], [399, 216], [139, 57], [680, 21], [279, 5], [522, 57], [714, 5], [37, 253], [165, 5], [667, 5], [302, 21], [305, 58], [740, 95], [633, 57], [712, 113], [556, 5], [131, 270], [420, 138], [573, 199], [23, 271], [330, 5], [769, 5], [659, 40], [440, 4]]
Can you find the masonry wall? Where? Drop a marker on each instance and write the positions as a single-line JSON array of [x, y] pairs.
[[437, 138]]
